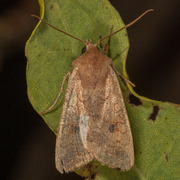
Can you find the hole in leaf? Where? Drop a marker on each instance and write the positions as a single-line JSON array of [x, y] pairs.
[[134, 100], [154, 114], [92, 177]]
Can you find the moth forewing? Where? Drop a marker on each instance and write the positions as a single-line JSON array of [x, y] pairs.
[[118, 150], [70, 152]]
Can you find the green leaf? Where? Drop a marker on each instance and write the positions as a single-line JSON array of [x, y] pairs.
[[155, 125]]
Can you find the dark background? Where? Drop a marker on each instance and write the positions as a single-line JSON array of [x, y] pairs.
[[26, 143]]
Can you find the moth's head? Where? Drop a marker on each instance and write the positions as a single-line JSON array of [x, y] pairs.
[[89, 46]]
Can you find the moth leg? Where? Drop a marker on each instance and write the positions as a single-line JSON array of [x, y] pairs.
[[106, 45], [127, 81], [61, 90], [101, 46]]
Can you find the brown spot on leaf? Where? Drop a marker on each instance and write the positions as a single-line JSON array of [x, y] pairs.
[[166, 156], [154, 114], [134, 100], [56, 48], [66, 49], [51, 7]]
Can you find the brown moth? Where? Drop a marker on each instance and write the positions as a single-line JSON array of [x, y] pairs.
[[94, 123]]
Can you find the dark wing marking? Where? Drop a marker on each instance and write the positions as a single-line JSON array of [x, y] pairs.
[[71, 137], [111, 141]]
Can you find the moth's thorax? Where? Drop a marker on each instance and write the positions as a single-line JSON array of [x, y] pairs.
[[92, 67]]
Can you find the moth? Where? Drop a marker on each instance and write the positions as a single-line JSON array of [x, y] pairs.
[[94, 123]]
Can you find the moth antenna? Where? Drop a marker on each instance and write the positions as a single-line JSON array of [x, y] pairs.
[[59, 29], [126, 26]]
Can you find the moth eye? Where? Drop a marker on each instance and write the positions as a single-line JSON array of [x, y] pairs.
[[83, 50]]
